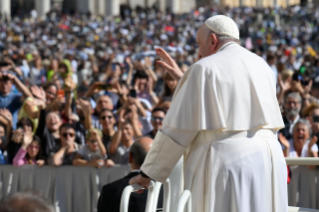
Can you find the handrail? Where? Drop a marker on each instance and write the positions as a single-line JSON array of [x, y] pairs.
[[186, 198], [297, 209], [302, 161]]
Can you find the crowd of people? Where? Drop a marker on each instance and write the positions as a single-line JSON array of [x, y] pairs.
[[78, 89]]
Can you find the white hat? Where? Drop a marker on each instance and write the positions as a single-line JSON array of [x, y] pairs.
[[223, 25]]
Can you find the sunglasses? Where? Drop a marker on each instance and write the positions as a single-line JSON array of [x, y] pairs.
[[108, 117], [93, 141], [157, 118], [65, 135], [33, 147]]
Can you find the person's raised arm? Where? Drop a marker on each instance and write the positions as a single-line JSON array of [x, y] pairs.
[[19, 85], [152, 94], [282, 139], [108, 68], [116, 140], [6, 119], [141, 109], [94, 88], [57, 158], [148, 69], [130, 71], [14, 68], [134, 121], [312, 153], [98, 137], [85, 106]]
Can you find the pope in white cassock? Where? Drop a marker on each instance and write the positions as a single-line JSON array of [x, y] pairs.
[[223, 118]]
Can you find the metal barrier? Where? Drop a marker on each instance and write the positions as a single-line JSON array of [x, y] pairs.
[[302, 161]]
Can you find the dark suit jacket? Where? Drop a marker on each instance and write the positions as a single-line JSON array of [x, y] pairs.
[[110, 198], [285, 131]]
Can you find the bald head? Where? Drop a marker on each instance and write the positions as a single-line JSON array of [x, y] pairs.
[[139, 151]]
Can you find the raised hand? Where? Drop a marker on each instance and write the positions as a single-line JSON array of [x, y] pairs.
[[313, 140], [6, 114], [38, 92], [27, 139], [284, 86], [169, 64], [69, 84], [283, 140], [84, 105]]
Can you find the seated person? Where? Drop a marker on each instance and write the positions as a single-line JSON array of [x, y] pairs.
[[111, 193], [66, 149], [158, 115], [93, 153], [29, 152]]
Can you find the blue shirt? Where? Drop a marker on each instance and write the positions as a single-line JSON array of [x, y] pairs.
[[2, 161], [13, 103]]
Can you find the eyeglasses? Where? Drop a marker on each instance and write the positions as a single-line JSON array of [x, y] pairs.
[[108, 117], [33, 147], [292, 102], [65, 135], [157, 118]]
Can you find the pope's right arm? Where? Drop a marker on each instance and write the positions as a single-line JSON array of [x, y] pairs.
[[168, 147]]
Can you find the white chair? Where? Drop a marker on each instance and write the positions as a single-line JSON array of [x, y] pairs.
[[185, 199], [296, 209], [152, 197]]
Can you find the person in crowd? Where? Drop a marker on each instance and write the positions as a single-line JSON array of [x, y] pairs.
[[29, 152], [292, 109], [66, 150], [9, 99], [93, 153], [107, 120], [271, 60], [111, 193], [48, 131], [26, 201], [24, 126], [169, 88], [123, 139], [158, 115], [5, 128], [141, 85], [302, 144], [37, 72]]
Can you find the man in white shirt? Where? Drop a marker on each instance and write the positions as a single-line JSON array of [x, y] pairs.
[[224, 118]]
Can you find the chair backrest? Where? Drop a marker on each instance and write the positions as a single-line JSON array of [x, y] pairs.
[[185, 199], [132, 188], [177, 184]]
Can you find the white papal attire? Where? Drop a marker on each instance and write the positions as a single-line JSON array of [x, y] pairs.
[[224, 117]]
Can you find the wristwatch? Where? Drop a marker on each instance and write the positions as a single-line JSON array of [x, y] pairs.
[[143, 174]]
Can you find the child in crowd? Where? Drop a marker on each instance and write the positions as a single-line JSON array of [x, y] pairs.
[[94, 152], [29, 152]]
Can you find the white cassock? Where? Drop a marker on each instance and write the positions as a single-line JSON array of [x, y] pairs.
[[224, 117]]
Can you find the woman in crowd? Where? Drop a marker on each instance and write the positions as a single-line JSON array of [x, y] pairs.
[[107, 121], [24, 126], [169, 89], [29, 152], [302, 145]]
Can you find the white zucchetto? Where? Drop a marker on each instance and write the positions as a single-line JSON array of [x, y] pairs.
[[223, 25]]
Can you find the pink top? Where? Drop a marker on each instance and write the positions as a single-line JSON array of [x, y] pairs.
[[19, 159]]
